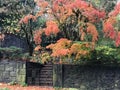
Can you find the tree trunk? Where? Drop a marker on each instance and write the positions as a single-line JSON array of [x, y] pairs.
[[30, 49]]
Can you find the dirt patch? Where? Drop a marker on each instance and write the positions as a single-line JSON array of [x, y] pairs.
[[18, 87]]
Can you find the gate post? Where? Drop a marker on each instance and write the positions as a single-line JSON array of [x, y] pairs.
[[57, 75]]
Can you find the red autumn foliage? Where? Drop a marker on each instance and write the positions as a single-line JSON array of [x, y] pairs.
[[37, 36], [27, 18], [91, 29], [63, 11], [116, 10], [37, 48], [52, 28], [117, 41], [61, 52], [88, 10], [110, 27], [61, 48]]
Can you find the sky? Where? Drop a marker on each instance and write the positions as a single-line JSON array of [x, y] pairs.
[[118, 0]]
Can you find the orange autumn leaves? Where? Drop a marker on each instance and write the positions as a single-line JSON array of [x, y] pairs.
[[37, 36], [60, 48], [87, 10], [111, 30], [26, 19], [91, 29], [52, 28], [65, 47], [62, 9], [111, 25]]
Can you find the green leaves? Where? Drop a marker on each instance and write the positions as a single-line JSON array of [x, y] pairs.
[[118, 17], [10, 22], [106, 54]]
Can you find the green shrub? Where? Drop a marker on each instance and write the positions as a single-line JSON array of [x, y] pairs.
[[13, 53], [10, 52], [106, 55]]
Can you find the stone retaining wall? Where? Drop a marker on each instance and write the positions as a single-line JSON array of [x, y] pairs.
[[12, 71], [69, 76], [87, 77], [26, 72]]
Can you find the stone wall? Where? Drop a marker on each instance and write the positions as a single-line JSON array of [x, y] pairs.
[[87, 77], [69, 76], [26, 72], [11, 70]]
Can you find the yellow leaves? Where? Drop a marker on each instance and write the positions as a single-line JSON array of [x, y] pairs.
[[45, 57], [80, 50], [75, 48], [41, 55], [50, 46], [61, 48], [81, 53], [60, 52], [66, 48]]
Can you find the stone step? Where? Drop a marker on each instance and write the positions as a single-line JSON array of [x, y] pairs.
[[47, 67], [46, 79], [46, 70], [45, 82], [45, 76]]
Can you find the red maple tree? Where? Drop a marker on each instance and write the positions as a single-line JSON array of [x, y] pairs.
[[75, 20]]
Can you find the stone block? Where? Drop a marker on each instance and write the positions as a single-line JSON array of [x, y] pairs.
[[22, 71], [0, 74], [2, 67], [4, 62], [13, 79], [13, 74], [13, 64], [6, 74], [24, 65], [9, 68], [20, 64], [21, 78]]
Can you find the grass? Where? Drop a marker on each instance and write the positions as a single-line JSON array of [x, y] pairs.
[[4, 89]]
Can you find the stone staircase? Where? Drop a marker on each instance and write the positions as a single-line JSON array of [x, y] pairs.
[[38, 74], [46, 75]]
